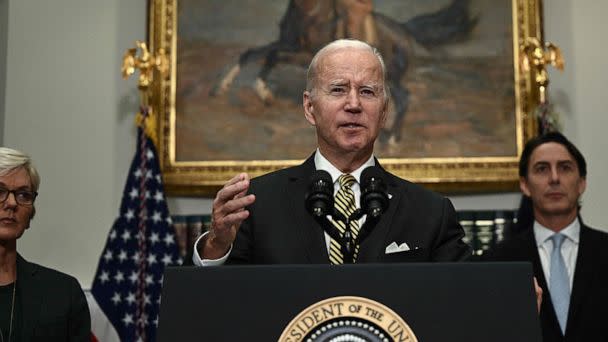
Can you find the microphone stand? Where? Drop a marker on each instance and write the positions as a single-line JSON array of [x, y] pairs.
[[346, 240], [319, 203], [328, 227]]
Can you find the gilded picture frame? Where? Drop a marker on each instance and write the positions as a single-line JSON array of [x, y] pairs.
[[206, 138]]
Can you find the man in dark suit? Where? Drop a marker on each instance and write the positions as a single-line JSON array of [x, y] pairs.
[[570, 259], [37, 303], [264, 220]]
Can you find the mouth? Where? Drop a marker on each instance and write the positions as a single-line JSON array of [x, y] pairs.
[[555, 195], [7, 220], [351, 125]]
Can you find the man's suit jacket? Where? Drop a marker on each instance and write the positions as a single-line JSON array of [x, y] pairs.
[[279, 230], [588, 311], [53, 306]]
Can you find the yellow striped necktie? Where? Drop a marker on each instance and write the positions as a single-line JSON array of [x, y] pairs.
[[344, 202]]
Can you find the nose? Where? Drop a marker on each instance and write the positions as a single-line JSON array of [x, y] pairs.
[[554, 175], [10, 200], [353, 102]]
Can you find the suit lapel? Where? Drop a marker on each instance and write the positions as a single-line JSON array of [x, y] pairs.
[[547, 313], [31, 299], [308, 230], [376, 239], [531, 253], [582, 272]]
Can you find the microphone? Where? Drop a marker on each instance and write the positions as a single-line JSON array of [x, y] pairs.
[[374, 195], [319, 199], [319, 202]]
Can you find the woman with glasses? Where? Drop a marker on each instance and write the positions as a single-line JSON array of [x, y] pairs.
[[36, 303]]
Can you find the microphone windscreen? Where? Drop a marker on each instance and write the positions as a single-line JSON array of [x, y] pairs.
[[369, 174], [321, 175], [374, 196], [319, 198]]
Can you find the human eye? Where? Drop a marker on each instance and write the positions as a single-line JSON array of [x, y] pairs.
[[567, 167], [337, 90], [541, 168], [24, 196], [369, 92], [3, 192]]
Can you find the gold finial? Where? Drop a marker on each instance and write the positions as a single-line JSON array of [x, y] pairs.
[[535, 57], [146, 63]]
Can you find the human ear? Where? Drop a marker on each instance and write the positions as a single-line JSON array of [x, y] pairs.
[[386, 104], [582, 185], [523, 186], [308, 108]]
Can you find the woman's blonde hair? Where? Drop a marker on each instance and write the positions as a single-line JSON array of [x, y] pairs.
[[11, 159]]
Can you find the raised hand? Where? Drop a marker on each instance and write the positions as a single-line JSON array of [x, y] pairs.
[[227, 215]]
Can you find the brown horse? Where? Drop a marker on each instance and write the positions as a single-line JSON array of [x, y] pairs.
[[308, 25]]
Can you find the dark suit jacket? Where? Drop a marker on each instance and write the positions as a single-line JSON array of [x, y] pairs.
[[54, 307], [279, 230], [588, 311]]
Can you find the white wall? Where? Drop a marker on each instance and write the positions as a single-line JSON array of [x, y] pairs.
[[3, 45], [67, 106]]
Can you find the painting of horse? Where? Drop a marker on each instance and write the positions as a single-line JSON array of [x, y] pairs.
[[241, 72]]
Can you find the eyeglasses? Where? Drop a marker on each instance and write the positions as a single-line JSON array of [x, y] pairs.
[[22, 197]]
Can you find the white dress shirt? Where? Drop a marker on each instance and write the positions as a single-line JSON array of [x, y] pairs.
[[569, 247], [321, 163]]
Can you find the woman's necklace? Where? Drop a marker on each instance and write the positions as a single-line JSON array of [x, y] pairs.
[[10, 329]]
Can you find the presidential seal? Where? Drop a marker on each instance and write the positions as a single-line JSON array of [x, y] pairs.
[[347, 319]]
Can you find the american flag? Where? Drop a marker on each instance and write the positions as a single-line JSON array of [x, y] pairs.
[[127, 284]]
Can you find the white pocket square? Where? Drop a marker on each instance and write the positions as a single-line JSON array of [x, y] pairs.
[[394, 248]]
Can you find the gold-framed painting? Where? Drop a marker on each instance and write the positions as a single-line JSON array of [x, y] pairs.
[[461, 105]]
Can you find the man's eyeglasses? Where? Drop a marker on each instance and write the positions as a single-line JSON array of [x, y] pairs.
[[22, 197]]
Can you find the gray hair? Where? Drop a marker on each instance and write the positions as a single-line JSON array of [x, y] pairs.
[[12, 159], [312, 73]]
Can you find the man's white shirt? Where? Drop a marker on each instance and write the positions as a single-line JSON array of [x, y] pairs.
[[569, 247]]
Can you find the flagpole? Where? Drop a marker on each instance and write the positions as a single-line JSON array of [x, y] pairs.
[[146, 63]]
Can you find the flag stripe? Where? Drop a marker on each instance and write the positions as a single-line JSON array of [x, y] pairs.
[[101, 327]]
